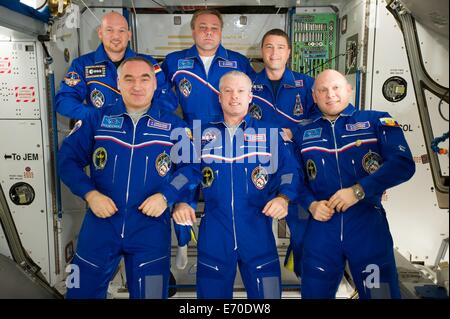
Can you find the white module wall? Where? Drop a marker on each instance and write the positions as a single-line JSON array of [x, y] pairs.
[[417, 224], [24, 153]]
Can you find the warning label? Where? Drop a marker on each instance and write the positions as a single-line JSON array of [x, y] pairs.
[[5, 65], [25, 94]]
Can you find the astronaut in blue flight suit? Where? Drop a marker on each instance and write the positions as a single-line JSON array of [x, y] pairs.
[[283, 98], [195, 75], [128, 149], [350, 158], [248, 179], [195, 72], [92, 78]]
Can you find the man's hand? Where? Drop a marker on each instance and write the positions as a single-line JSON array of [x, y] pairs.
[[102, 206], [287, 136], [184, 214], [342, 200], [276, 208], [320, 210], [154, 205]]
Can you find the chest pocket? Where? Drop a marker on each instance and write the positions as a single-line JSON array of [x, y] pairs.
[[154, 154], [363, 156]]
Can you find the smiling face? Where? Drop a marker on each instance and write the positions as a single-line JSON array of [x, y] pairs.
[[331, 93], [136, 82], [207, 34], [114, 34], [275, 52], [235, 96]]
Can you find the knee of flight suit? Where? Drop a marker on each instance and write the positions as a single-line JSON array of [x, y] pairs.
[[297, 221], [89, 277], [320, 280], [262, 278], [147, 276], [376, 280], [215, 278]]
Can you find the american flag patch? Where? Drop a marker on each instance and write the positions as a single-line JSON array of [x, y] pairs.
[[254, 137], [357, 126], [298, 83], [159, 125]]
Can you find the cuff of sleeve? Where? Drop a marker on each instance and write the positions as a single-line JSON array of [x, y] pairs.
[[170, 194], [306, 201], [367, 186], [291, 196], [82, 190]]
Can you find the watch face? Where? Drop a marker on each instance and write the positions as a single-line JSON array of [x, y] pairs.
[[359, 193]]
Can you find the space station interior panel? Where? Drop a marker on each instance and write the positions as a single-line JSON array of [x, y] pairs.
[[26, 166], [360, 38], [314, 40], [417, 223]]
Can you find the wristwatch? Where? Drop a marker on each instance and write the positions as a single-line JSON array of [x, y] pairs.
[[358, 191]]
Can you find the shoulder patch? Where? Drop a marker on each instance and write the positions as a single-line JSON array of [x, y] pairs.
[[112, 122], [157, 68], [312, 133], [159, 125], [228, 64], [298, 83], [72, 79], [389, 121], [185, 64], [357, 126]]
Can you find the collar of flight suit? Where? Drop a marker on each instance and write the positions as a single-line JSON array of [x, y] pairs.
[[221, 53], [119, 109], [246, 121], [102, 56], [348, 111], [287, 80]]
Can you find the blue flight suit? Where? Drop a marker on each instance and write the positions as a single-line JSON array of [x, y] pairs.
[[128, 162], [92, 78], [241, 173], [197, 91], [291, 105], [365, 147]]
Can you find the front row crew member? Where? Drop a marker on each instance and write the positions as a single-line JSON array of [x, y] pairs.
[[128, 149], [350, 158], [248, 179]]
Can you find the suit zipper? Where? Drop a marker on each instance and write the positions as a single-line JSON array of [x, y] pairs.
[[232, 195], [146, 167], [339, 172], [114, 168], [129, 177]]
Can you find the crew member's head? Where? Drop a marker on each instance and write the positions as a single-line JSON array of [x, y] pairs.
[[114, 34], [332, 93], [235, 95], [275, 50], [137, 83], [206, 26]]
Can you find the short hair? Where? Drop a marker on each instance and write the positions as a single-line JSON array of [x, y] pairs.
[[136, 58], [277, 32], [235, 73], [206, 11]]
